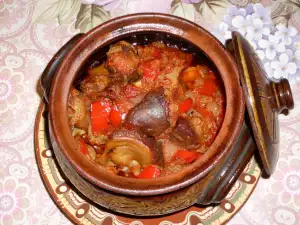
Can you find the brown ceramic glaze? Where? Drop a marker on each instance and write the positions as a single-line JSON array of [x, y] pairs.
[[218, 183], [120, 28], [265, 99]]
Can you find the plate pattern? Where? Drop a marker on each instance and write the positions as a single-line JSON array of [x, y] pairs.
[[81, 211]]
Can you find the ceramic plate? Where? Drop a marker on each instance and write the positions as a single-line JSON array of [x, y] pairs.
[[81, 211]]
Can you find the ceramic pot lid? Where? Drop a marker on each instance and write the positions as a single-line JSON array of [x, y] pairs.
[[265, 99]]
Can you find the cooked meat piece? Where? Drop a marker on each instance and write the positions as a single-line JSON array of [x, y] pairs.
[[93, 85], [122, 62], [78, 110], [151, 114], [131, 149], [112, 91], [148, 52], [184, 135], [172, 58]]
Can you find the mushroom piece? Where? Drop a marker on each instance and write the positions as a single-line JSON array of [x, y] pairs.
[[184, 135], [151, 114], [131, 149], [78, 110]]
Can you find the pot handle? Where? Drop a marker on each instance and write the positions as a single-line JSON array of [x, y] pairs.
[[51, 68], [220, 181]]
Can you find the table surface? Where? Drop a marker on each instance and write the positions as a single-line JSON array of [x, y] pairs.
[[32, 31]]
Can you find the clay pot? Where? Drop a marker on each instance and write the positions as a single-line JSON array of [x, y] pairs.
[[207, 180]]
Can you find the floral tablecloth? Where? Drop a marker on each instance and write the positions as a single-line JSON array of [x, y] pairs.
[[31, 32]]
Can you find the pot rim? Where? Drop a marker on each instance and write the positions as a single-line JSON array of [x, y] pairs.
[[118, 28]]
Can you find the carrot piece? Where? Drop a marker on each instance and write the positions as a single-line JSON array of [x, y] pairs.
[[150, 171], [190, 74]]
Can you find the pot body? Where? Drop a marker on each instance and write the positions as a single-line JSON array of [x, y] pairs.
[[213, 188], [175, 192]]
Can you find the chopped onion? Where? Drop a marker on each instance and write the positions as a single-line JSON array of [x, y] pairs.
[[213, 107], [77, 131]]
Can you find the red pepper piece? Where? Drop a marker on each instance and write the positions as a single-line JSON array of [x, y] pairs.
[[83, 147], [187, 156], [185, 105], [115, 117], [150, 171], [100, 111]]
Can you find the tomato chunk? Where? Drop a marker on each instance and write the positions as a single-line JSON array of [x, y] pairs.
[[209, 88], [150, 171], [205, 113], [186, 155]]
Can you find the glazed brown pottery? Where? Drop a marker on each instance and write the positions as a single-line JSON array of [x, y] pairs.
[[208, 179]]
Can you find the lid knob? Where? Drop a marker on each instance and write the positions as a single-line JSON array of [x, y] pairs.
[[283, 96]]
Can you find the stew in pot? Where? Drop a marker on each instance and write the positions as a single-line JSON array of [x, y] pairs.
[[147, 110]]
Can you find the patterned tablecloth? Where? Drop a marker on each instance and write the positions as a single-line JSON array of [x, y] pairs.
[[31, 32]]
